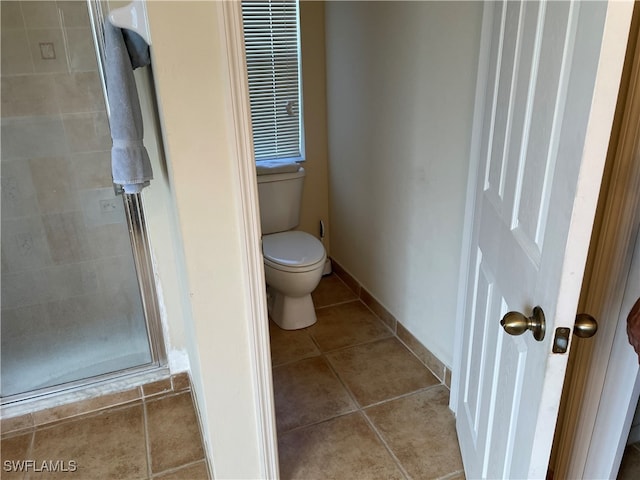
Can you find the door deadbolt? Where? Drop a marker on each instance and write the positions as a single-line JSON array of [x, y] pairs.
[[515, 323]]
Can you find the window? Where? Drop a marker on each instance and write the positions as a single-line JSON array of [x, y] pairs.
[[272, 44]]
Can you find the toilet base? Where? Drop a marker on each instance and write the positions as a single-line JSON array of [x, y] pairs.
[[291, 313]]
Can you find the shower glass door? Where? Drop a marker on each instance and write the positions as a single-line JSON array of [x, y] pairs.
[[71, 299]]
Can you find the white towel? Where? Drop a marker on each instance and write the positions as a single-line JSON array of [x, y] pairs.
[[130, 164]]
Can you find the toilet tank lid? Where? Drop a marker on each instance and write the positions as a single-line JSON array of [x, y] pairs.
[[293, 249], [271, 167], [277, 177]]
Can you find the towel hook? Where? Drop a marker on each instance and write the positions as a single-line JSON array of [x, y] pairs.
[[132, 17]]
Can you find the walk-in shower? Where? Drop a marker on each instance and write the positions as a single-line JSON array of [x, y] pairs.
[[78, 301]]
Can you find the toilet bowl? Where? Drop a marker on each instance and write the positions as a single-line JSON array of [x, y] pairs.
[[293, 264]]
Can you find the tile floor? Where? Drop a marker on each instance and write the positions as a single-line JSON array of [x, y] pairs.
[[153, 436], [353, 402], [630, 466]]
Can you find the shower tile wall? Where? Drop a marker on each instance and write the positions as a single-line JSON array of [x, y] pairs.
[[69, 291]]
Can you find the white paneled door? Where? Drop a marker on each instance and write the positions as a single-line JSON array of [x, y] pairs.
[[544, 131]]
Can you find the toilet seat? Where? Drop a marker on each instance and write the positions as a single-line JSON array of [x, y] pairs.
[[292, 251]]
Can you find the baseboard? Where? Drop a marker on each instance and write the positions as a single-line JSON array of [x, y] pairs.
[[412, 343]]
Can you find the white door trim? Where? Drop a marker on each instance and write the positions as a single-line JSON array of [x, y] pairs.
[[240, 115]]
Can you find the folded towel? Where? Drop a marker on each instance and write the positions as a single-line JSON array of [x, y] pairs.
[[268, 167], [130, 164]]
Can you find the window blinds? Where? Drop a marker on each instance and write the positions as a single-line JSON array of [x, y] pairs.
[[271, 44]]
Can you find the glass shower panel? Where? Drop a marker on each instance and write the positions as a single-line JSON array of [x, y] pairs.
[[71, 304]]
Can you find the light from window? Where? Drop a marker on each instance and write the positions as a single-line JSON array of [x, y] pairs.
[[272, 45]]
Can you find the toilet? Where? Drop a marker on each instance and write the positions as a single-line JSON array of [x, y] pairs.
[[293, 260]]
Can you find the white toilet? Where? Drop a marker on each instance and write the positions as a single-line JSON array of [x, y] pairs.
[[293, 261]]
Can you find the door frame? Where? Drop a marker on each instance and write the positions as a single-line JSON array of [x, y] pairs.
[[589, 396], [239, 115], [615, 34]]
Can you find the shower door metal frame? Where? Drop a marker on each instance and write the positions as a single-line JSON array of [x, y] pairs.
[[134, 212]]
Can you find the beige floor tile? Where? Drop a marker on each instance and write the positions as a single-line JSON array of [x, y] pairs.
[[14, 449], [342, 448], [331, 290], [197, 471], [380, 370], [345, 325], [108, 445], [307, 392], [174, 436], [290, 345], [420, 430], [630, 466]]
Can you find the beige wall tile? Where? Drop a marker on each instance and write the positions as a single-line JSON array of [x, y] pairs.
[[101, 206], [39, 37], [377, 308], [53, 182], [66, 236], [92, 170], [17, 192], [87, 132], [15, 53], [33, 137], [24, 245], [24, 288], [82, 53], [73, 279], [109, 241], [11, 15], [27, 95], [40, 14], [79, 92], [75, 14]]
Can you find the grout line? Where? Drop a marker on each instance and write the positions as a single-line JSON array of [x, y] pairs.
[[323, 307], [423, 363], [30, 452], [404, 395], [377, 433], [147, 445], [451, 475], [177, 469], [318, 422]]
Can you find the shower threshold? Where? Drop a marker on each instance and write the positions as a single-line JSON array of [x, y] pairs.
[[87, 388]]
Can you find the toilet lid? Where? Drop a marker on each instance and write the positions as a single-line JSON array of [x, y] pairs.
[[292, 249]]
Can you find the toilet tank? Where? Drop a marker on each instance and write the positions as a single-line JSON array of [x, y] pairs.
[[280, 196]]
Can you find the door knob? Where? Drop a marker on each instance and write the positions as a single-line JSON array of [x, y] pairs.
[[515, 323], [586, 326]]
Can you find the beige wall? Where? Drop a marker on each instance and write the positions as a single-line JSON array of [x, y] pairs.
[[315, 201], [192, 87], [400, 89]]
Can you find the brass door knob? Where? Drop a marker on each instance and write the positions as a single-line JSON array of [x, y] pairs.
[[515, 323], [585, 326]]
